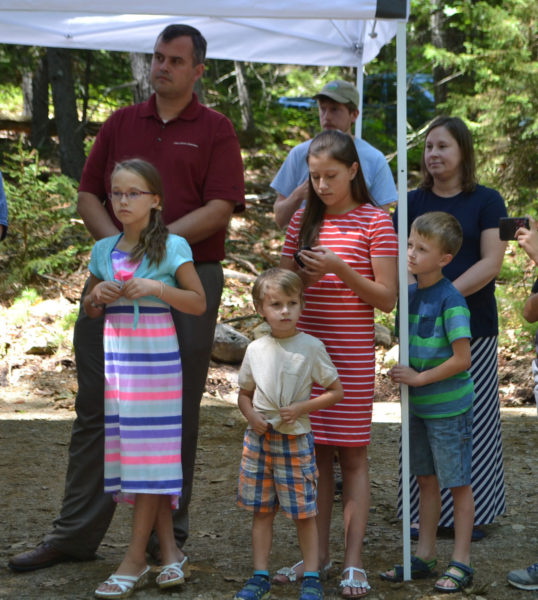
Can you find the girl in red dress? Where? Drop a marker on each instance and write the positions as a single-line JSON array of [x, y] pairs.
[[347, 251]]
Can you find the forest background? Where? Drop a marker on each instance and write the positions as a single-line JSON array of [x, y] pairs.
[[473, 59]]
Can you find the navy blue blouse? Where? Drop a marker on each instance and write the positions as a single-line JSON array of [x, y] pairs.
[[475, 212]]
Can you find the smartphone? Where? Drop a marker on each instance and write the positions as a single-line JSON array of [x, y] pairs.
[[298, 258], [509, 225]]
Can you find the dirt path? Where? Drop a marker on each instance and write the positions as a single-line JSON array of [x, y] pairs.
[[34, 434]]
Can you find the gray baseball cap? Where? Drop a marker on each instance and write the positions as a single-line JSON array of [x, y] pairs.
[[340, 91]]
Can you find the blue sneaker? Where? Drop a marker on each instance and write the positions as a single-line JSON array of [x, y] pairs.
[[311, 589], [256, 588], [524, 579]]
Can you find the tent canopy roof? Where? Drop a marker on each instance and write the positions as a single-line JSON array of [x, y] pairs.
[[342, 32]]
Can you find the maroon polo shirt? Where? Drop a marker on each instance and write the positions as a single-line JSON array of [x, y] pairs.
[[197, 155]]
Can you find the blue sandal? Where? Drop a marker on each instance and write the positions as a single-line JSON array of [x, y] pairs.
[[256, 588], [420, 569], [311, 589], [461, 579]]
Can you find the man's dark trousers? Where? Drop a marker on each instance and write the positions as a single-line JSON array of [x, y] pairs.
[[86, 510]]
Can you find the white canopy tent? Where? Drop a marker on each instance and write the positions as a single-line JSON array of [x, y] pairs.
[[343, 32], [309, 32], [296, 41]]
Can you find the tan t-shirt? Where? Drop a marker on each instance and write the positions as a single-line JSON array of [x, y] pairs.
[[281, 371]]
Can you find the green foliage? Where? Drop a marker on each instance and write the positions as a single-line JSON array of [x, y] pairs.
[[491, 51], [20, 310], [514, 331], [44, 236], [306, 81], [108, 75], [513, 267], [101, 77], [62, 331], [17, 60], [28, 297], [388, 320], [10, 100], [68, 321], [514, 285]]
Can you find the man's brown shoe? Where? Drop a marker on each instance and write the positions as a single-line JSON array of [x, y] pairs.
[[42, 556]]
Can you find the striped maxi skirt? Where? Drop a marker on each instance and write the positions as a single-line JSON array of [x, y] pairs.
[[487, 477], [143, 402]]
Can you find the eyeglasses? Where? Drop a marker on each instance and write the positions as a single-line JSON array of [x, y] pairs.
[[132, 195]]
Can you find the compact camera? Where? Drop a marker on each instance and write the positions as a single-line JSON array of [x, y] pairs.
[[509, 225]]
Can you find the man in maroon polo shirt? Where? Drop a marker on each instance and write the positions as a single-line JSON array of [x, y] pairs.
[[197, 154]]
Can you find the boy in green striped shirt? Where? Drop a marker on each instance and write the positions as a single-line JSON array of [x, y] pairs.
[[441, 398]]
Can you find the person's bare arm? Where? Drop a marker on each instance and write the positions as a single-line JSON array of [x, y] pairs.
[[458, 362], [203, 222], [284, 207], [530, 310], [288, 263], [98, 294], [487, 268], [382, 292], [95, 216], [255, 419]]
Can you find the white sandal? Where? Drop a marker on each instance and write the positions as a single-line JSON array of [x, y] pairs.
[[289, 574], [126, 583], [179, 570], [351, 582]]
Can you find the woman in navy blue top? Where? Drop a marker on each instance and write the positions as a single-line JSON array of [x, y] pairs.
[[449, 184]]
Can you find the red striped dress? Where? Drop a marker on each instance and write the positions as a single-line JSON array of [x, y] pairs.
[[344, 322]]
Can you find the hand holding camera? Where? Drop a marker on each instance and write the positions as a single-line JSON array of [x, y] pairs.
[[527, 238], [508, 226]]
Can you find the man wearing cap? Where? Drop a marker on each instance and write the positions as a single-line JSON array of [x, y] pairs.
[[338, 104]]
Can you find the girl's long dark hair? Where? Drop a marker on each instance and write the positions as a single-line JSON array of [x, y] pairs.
[[152, 242], [340, 147], [460, 132]]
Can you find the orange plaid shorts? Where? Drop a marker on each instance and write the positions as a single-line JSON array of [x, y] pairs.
[[278, 470]]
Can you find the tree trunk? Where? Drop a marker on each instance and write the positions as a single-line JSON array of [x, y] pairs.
[[140, 67], [447, 37], [87, 79], [40, 136], [247, 118], [65, 112], [26, 94], [437, 28]]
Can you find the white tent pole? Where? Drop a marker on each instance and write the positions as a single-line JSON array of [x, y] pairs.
[[401, 112], [360, 87]]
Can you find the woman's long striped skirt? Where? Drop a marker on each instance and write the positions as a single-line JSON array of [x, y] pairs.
[[487, 463]]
